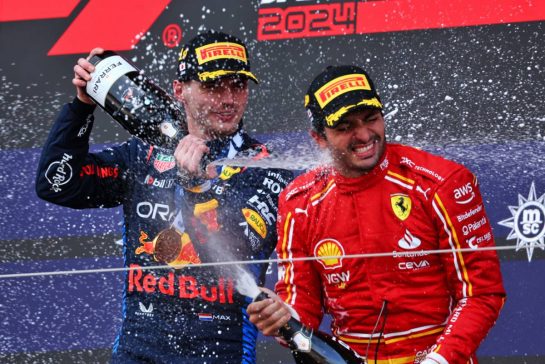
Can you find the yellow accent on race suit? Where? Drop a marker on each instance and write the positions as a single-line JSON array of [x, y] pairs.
[[285, 255], [319, 194], [398, 176], [458, 246]]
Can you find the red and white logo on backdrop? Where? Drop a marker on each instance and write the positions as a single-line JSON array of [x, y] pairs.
[[285, 19], [97, 23]]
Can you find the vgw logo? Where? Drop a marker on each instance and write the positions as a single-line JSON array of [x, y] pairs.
[[112, 25], [528, 222]]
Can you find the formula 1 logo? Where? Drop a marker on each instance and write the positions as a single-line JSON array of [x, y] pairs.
[[98, 23]]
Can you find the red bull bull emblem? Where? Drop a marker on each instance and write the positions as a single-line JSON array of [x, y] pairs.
[[170, 247]]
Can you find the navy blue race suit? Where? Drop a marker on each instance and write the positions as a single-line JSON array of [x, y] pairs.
[[186, 315]]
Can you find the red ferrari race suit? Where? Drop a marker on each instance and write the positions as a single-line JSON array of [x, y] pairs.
[[409, 301]]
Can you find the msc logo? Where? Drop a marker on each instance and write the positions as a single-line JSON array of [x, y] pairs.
[[464, 195], [527, 222], [330, 252]]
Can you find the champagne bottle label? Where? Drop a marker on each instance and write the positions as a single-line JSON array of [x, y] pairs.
[[106, 73]]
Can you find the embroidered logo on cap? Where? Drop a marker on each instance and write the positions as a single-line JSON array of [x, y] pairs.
[[221, 50], [339, 86]]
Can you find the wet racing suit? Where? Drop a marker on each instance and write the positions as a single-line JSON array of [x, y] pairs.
[[189, 315], [417, 303]]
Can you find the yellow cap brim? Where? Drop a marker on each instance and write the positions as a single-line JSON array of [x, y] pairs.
[[209, 76], [334, 117]]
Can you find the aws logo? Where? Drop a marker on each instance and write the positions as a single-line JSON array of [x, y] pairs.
[[88, 29], [464, 194], [330, 253]]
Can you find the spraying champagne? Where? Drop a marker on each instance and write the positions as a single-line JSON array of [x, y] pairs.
[[308, 346]]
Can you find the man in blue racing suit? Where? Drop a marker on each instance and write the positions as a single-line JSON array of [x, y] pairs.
[[191, 314]]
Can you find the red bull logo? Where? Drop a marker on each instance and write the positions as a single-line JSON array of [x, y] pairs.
[[187, 287]]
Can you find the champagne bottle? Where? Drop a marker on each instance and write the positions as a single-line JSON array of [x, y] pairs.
[[315, 347], [144, 109]]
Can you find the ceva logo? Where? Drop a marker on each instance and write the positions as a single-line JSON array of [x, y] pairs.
[[114, 25]]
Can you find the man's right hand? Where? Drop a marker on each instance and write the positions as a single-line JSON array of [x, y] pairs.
[[82, 74], [189, 153], [270, 314]]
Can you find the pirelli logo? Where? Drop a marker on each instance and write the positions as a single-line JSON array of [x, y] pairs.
[[211, 52], [339, 86]]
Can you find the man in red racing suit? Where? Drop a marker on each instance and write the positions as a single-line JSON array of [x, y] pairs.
[[425, 290]]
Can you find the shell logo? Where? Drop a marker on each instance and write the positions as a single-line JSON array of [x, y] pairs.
[[330, 252]]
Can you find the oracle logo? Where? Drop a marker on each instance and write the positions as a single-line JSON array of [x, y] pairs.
[[98, 23]]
